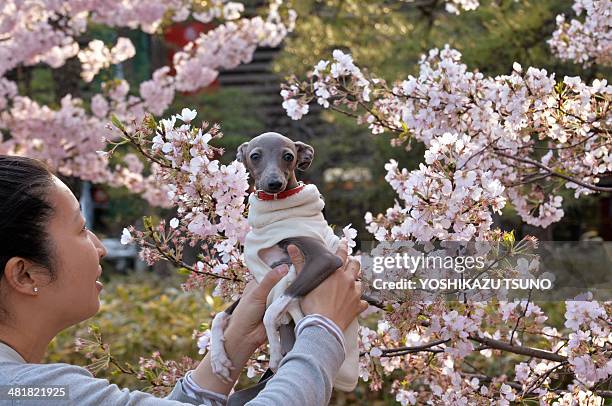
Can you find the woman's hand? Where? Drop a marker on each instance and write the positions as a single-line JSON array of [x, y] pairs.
[[246, 322], [244, 333]]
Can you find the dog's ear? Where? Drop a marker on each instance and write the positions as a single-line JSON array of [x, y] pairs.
[[241, 152], [305, 153]]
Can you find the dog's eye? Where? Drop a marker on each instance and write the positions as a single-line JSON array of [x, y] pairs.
[[254, 157], [288, 157]]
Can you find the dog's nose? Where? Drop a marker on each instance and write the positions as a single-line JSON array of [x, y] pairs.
[[275, 185]]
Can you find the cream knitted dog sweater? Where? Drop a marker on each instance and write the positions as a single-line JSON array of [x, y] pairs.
[[298, 215]]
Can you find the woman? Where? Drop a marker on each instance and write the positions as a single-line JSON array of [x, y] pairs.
[[49, 266]]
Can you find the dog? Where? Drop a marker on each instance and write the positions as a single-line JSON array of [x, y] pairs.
[[283, 211]]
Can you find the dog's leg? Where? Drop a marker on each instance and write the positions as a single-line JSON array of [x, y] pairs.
[[274, 317], [287, 337], [319, 263], [220, 363]]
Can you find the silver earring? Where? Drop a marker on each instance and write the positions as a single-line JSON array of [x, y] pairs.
[[35, 289]]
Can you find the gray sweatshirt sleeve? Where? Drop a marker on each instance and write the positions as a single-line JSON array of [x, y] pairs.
[[84, 389], [305, 377], [306, 374]]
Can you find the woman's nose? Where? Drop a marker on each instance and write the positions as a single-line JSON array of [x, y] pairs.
[[99, 246], [102, 250]]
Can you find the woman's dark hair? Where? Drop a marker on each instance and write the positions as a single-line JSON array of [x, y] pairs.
[[25, 211]]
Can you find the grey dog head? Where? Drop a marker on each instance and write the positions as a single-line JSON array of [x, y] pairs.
[[272, 158]]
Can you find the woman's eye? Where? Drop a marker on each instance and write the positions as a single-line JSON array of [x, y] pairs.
[[288, 157]]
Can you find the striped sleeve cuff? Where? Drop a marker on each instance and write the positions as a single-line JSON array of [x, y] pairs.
[[322, 321], [193, 390]]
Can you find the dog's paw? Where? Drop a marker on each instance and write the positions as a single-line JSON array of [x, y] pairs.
[[219, 323], [221, 366], [220, 363]]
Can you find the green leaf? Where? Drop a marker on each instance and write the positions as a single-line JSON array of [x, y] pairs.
[[148, 222], [183, 271], [94, 329], [150, 122], [117, 123]]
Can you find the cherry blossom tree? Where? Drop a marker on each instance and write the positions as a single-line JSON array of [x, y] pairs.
[[516, 139], [510, 137], [425, 347], [68, 138]]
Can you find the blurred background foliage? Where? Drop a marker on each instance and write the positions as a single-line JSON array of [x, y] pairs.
[[388, 37], [140, 313]]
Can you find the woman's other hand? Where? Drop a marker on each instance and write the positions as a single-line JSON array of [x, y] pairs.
[[246, 323], [244, 333]]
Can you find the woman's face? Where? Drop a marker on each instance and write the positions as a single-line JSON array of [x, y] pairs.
[[74, 295]]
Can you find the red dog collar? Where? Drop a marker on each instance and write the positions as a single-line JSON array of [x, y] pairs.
[[261, 195]]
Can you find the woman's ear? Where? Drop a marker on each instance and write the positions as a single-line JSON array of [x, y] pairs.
[[23, 276], [305, 153]]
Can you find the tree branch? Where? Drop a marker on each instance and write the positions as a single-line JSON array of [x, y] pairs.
[[520, 317], [394, 352], [553, 173], [528, 351], [519, 387]]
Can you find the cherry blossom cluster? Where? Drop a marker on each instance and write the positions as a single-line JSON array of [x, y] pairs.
[[68, 138], [587, 346], [225, 48], [514, 138], [455, 6], [209, 198], [588, 41], [34, 31], [427, 356], [162, 374], [43, 133], [440, 202], [98, 56]]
